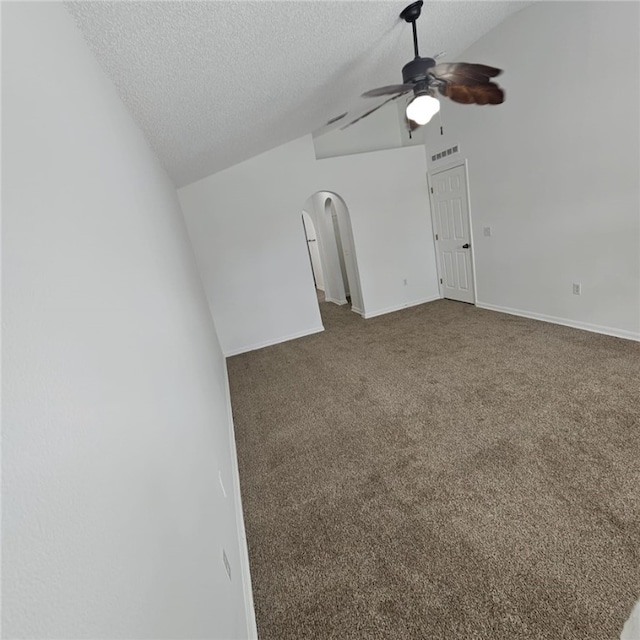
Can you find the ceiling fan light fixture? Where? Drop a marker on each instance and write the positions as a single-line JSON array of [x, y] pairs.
[[422, 108]]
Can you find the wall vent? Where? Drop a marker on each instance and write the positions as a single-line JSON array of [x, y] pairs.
[[445, 154]]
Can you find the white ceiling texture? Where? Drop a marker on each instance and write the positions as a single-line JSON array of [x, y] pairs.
[[214, 83]]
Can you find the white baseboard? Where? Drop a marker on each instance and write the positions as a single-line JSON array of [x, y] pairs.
[[268, 343], [414, 303], [243, 549], [356, 310], [575, 324], [340, 302]]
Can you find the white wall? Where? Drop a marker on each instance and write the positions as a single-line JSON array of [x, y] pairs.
[[555, 170], [244, 224], [116, 419], [387, 197]]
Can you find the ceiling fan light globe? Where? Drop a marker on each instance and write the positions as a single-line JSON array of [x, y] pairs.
[[422, 108]]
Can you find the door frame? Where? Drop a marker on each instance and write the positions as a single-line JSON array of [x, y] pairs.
[[430, 174]]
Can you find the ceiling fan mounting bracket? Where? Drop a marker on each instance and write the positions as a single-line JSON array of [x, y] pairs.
[[412, 12]]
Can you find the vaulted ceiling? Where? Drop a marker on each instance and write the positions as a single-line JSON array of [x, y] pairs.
[[214, 83]]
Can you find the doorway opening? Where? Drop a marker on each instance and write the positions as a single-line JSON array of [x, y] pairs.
[[329, 235]]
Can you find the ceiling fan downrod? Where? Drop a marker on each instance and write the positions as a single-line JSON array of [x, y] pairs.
[[416, 71], [411, 14]]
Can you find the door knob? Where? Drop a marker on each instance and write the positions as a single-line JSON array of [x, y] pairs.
[[466, 246]]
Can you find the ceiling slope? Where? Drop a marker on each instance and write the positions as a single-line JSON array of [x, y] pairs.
[[214, 83]]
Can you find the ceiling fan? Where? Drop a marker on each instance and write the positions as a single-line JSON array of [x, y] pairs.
[[461, 82]]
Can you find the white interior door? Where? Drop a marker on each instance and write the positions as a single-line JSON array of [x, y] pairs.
[[314, 251], [450, 211]]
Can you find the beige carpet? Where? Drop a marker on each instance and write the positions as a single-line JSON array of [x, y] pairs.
[[442, 472]]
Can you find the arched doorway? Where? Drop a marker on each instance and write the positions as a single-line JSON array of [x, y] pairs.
[[336, 251]]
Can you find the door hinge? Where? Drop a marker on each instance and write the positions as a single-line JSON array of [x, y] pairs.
[[436, 236], [431, 189], [440, 280]]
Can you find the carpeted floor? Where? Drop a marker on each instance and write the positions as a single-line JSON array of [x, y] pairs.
[[443, 472]]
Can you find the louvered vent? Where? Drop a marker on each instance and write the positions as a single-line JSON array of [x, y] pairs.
[[444, 154]]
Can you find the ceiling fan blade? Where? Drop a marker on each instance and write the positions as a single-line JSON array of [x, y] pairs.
[[487, 93], [386, 91], [464, 72], [336, 119], [368, 113]]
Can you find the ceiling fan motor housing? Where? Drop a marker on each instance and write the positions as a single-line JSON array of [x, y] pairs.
[[417, 70]]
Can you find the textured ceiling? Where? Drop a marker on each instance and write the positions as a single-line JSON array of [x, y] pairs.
[[214, 83]]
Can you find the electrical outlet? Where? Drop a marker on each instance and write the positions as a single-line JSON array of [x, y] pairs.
[[577, 289], [224, 491], [487, 231], [225, 561]]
